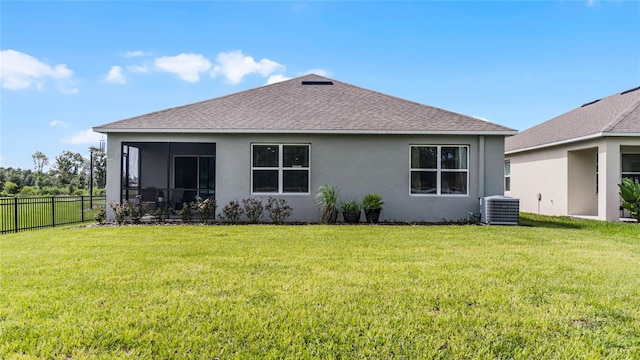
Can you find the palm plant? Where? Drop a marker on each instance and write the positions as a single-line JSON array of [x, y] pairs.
[[372, 204], [351, 211], [630, 194], [327, 198]]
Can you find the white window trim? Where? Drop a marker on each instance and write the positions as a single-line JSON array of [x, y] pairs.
[[439, 170], [280, 168]]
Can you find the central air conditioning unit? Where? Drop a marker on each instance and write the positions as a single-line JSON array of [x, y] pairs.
[[499, 210]]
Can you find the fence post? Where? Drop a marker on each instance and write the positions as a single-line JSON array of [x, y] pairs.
[[15, 212], [53, 211], [82, 207]]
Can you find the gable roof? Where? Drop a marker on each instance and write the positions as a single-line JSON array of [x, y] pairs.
[[308, 104], [615, 115]]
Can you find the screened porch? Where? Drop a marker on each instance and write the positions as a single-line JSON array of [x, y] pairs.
[[167, 174]]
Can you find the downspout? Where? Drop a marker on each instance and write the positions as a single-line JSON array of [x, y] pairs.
[[481, 166]]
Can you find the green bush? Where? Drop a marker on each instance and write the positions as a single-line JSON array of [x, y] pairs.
[[62, 191], [350, 206], [231, 212], [278, 210], [372, 201], [253, 208], [327, 198], [207, 208], [630, 193], [28, 191], [11, 188]]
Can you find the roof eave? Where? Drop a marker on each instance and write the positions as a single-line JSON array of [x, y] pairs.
[[573, 140], [307, 131]]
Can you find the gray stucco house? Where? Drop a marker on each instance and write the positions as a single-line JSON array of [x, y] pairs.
[[571, 165], [287, 139]]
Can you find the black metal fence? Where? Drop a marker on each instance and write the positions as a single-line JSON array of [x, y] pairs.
[[35, 212]]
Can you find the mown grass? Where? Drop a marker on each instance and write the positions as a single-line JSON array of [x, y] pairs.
[[554, 288]]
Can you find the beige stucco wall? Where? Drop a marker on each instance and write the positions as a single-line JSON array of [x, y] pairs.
[[546, 171], [356, 164], [540, 172]]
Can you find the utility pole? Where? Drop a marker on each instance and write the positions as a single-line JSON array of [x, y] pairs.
[[91, 177]]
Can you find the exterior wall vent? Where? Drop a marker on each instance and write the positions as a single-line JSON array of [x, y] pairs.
[[317, 82], [499, 210]]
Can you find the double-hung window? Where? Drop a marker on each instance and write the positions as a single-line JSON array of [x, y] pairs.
[[439, 170], [631, 166], [507, 175], [280, 168]]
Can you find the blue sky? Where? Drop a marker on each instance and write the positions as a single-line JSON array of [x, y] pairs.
[[69, 66]]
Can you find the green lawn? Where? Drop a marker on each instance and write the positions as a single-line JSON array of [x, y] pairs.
[[550, 289]]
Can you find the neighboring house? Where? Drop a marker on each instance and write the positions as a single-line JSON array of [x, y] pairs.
[[287, 139], [571, 165]]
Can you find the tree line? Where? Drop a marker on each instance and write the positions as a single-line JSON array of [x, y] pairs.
[[68, 174]]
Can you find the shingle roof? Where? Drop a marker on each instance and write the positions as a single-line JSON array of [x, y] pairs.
[[613, 115], [290, 106]]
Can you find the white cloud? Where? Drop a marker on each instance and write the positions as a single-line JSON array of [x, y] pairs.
[[136, 53], [138, 68], [235, 66], [58, 123], [481, 118], [187, 66], [276, 78], [115, 75], [83, 137], [20, 71], [320, 72]]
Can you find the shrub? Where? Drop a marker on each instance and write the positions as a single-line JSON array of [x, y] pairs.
[[253, 208], [350, 206], [121, 212], [207, 208], [101, 214], [78, 192], [61, 191], [160, 214], [630, 194], [372, 201], [48, 190], [11, 188], [327, 198], [186, 213], [137, 212], [28, 191], [231, 212], [278, 210]]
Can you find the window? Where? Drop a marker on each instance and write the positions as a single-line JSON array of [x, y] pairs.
[[439, 170], [507, 175], [631, 166], [194, 176], [280, 168]]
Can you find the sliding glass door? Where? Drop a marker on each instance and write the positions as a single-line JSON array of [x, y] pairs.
[[193, 176]]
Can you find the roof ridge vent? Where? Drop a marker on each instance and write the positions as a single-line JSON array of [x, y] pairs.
[[589, 103], [630, 90], [316, 82]]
